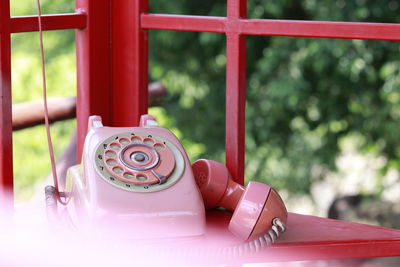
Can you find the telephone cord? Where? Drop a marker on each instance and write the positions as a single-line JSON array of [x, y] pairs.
[[46, 112]]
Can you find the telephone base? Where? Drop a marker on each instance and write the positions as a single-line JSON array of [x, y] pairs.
[[133, 223]]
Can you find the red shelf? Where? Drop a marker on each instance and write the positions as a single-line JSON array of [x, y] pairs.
[[315, 238], [307, 238]]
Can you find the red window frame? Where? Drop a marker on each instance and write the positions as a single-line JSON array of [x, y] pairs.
[[236, 26], [8, 26], [107, 71]]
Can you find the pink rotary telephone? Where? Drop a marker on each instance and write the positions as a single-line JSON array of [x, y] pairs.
[[141, 178]]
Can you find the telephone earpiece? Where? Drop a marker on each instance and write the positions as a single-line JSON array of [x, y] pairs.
[[258, 208]]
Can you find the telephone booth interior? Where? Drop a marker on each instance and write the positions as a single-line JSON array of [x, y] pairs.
[[112, 60]]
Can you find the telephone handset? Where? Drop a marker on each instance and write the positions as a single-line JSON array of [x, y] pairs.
[[141, 178]]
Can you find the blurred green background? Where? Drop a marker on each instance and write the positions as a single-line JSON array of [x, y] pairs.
[[316, 108]]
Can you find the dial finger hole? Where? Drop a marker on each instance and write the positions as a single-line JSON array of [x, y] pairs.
[[148, 141], [115, 146], [110, 154], [111, 162], [124, 141], [128, 175], [117, 169], [136, 140], [159, 146], [141, 177]]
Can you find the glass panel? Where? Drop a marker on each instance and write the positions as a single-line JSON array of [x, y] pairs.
[[328, 10], [322, 122], [188, 7], [192, 68], [28, 7], [31, 156]]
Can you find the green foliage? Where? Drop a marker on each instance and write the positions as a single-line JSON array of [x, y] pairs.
[[28, 7]]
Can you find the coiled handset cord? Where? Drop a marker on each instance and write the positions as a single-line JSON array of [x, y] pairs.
[[59, 195], [257, 244], [246, 248]]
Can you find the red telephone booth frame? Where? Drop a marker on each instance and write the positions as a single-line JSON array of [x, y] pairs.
[[112, 67]]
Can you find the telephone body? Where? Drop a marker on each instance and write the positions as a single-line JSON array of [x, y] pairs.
[[136, 178], [140, 179]]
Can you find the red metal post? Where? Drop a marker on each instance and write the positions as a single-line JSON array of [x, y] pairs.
[[235, 90], [6, 155], [130, 63], [93, 50]]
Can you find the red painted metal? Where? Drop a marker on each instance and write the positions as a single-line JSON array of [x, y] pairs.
[[93, 53], [130, 63], [6, 155], [49, 22], [295, 28], [183, 23], [235, 91], [324, 29], [314, 238]]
